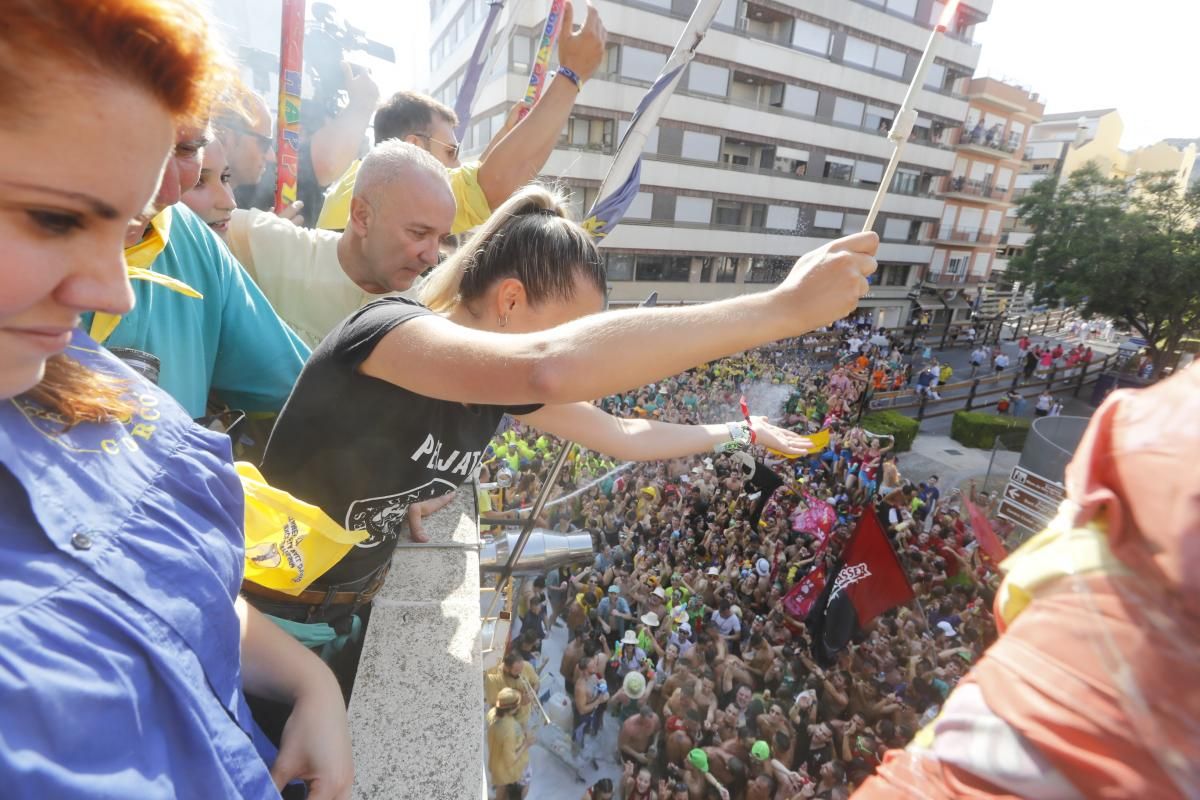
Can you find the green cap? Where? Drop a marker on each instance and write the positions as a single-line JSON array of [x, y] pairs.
[[699, 759], [761, 751]]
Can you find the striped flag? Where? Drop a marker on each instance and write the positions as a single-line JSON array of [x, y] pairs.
[[624, 178], [484, 52], [541, 59]]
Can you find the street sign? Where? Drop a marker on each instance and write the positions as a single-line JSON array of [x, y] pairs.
[[1031, 501], [1021, 516], [1047, 488]]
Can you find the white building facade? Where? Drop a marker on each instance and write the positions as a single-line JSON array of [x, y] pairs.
[[774, 142]]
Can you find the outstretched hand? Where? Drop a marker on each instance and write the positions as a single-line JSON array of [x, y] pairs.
[[826, 284], [786, 442]]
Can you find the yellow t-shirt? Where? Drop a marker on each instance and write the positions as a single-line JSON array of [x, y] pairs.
[[506, 760], [470, 201]]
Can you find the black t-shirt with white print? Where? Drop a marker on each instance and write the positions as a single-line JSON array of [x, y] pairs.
[[364, 449]]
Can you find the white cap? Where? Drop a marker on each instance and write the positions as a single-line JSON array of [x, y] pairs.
[[713, 571], [763, 567], [947, 628], [658, 592]]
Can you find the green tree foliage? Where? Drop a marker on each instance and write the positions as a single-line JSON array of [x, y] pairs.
[[1129, 250]]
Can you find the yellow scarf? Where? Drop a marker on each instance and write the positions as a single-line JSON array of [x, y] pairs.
[[138, 259]]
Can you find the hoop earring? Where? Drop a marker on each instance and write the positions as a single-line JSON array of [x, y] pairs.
[[503, 320]]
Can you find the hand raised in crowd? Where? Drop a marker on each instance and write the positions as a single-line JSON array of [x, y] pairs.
[[826, 284], [292, 213], [581, 51], [361, 89]]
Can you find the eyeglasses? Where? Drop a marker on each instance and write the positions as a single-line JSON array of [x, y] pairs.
[[264, 143], [452, 148]]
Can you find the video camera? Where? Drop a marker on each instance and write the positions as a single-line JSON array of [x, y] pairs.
[[326, 41]]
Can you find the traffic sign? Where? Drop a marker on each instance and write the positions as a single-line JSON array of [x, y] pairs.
[[1052, 490], [1021, 516], [1031, 501]]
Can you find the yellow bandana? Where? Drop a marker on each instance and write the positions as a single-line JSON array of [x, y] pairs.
[[138, 259]]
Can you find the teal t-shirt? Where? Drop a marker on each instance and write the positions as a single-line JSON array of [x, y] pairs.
[[230, 342]]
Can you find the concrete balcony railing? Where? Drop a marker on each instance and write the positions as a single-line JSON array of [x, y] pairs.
[[945, 233], [953, 278]]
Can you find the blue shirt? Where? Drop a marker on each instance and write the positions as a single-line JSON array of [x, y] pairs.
[[231, 342], [121, 556]]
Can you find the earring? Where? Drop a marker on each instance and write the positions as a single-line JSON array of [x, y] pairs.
[[503, 320]]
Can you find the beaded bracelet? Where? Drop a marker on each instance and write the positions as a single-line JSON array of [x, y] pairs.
[[571, 75]]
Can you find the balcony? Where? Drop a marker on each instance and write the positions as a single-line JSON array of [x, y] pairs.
[[970, 189], [988, 142], [948, 235], [943, 278]]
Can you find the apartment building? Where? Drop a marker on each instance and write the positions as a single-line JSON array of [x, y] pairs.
[[990, 148], [774, 142]]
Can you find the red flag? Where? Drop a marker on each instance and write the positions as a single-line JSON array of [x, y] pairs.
[[989, 543], [871, 575], [799, 600]]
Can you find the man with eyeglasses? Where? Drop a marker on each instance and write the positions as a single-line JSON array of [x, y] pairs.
[[249, 145], [517, 151]]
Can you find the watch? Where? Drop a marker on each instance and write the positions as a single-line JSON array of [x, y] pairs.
[[740, 438]]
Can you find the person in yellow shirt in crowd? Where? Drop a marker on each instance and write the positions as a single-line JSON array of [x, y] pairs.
[[515, 155], [388, 207], [508, 748], [508, 674]]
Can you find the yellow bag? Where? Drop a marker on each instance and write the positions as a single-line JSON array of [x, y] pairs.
[[289, 543]]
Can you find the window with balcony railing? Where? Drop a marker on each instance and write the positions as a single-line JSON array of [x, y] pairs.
[[587, 133], [769, 269]]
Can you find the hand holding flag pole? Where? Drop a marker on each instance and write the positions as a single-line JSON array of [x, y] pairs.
[[907, 116]]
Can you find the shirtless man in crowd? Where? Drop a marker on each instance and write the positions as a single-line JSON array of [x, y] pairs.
[[638, 739]]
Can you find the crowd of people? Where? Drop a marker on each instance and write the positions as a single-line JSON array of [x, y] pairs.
[[677, 636]]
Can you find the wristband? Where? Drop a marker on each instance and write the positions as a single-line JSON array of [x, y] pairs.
[[740, 437], [571, 75]]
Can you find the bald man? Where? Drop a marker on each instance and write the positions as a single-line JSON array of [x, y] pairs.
[[401, 210]]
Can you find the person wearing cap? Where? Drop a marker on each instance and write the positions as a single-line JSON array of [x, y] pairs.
[[698, 776], [514, 672], [631, 656], [508, 748], [613, 612], [638, 739]]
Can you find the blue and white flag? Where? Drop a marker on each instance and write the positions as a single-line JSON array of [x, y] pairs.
[[624, 178]]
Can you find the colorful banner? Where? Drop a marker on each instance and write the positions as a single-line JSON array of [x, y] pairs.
[[541, 61], [624, 178], [801, 598], [990, 546], [291, 77]]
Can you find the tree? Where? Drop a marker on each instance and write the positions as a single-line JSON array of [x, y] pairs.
[[1125, 249]]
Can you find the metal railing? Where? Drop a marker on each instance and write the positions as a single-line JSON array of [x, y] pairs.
[[987, 139], [951, 184], [945, 233]]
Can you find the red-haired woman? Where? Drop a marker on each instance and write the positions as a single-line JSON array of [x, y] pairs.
[[123, 648]]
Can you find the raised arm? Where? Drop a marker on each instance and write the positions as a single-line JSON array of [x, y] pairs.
[[519, 155], [610, 352], [644, 440]]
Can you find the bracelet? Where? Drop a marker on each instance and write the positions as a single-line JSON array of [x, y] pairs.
[[571, 75], [740, 438]]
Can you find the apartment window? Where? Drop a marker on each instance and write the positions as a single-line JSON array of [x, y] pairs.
[[853, 223], [957, 264], [905, 8], [1003, 179], [894, 274], [708, 79], [890, 61], [693, 209], [879, 119], [848, 112], [828, 220], [906, 181], [522, 48], [619, 266], [791, 161], [868, 173], [936, 77], [727, 270], [729, 212], [799, 100], [664, 268], [782, 218], [641, 206], [859, 51], [590, 133], [896, 229], [768, 269], [807, 36], [839, 169], [642, 65], [701, 146]]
